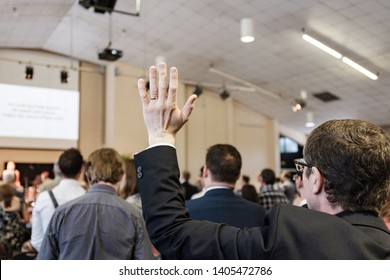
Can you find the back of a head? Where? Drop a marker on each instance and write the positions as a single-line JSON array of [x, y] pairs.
[[249, 193], [70, 162], [9, 176], [246, 179], [186, 175], [224, 162], [354, 158], [268, 176], [11, 165], [6, 194], [104, 165]]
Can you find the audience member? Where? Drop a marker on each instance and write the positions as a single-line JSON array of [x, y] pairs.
[[346, 175], [5, 251], [70, 164], [287, 185], [11, 168], [270, 193], [200, 184], [12, 229], [100, 224], [249, 192], [128, 189], [9, 177], [49, 184], [188, 188], [245, 180], [219, 203]]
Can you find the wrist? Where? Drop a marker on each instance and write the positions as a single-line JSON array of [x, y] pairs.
[[164, 138]]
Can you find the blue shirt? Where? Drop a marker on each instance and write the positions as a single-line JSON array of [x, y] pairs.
[[98, 225]]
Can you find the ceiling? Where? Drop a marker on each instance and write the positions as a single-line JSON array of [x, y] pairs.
[[193, 35]]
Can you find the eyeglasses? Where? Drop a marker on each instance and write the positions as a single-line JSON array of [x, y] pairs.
[[300, 164]]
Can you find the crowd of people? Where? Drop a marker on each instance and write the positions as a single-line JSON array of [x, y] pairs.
[[344, 178], [111, 207]]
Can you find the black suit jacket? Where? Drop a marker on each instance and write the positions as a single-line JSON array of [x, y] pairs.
[[223, 206], [288, 232]]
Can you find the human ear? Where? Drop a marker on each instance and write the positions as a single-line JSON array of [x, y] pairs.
[[317, 180]]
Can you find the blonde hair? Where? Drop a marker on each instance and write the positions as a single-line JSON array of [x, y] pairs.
[[104, 165]]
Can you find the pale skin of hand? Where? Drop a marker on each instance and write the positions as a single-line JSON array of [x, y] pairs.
[[162, 117]]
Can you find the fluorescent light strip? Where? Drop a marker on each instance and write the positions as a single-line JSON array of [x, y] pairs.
[[244, 82], [359, 68], [338, 55], [321, 46]]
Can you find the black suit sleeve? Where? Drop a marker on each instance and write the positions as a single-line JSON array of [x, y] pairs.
[[171, 230]]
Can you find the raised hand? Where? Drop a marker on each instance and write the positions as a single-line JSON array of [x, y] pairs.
[[162, 117]]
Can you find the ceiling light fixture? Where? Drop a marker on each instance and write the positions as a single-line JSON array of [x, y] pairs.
[[247, 34], [359, 68], [219, 86], [244, 82], [298, 105], [300, 102], [29, 72], [321, 46], [309, 119], [338, 55]]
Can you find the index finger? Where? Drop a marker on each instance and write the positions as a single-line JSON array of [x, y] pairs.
[[142, 91]]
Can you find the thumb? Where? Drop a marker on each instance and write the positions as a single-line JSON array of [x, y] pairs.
[[188, 107]]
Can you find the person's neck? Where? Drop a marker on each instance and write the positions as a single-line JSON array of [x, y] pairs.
[[328, 208], [114, 186], [219, 184]]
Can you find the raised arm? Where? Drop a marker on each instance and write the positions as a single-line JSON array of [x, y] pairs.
[[170, 228]]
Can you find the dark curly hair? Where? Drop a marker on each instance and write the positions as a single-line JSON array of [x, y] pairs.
[[354, 158]]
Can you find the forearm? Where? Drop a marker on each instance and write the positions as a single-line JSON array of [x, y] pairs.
[[160, 189]]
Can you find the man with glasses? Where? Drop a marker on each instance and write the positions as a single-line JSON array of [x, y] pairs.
[[345, 173]]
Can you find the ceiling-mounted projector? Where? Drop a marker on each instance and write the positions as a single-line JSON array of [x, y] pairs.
[[110, 54]]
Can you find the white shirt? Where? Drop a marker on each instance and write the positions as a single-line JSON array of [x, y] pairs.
[[43, 210], [199, 194]]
